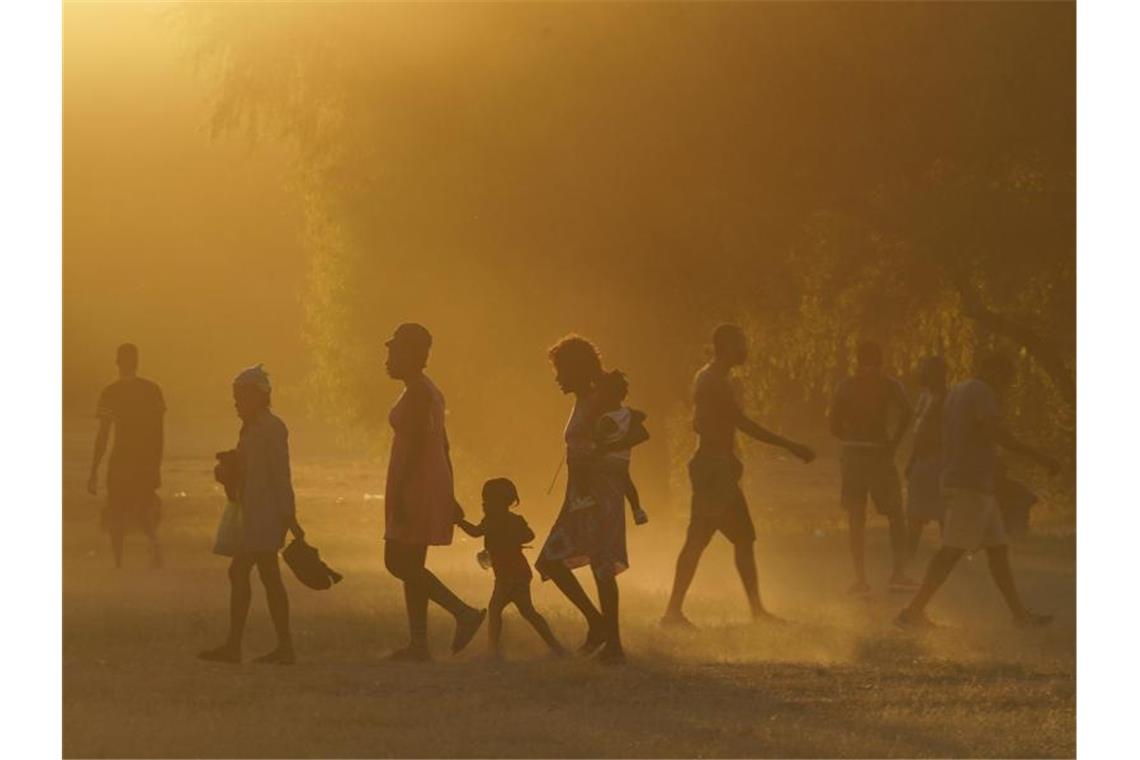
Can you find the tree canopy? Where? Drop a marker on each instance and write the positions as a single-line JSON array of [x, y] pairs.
[[820, 173]]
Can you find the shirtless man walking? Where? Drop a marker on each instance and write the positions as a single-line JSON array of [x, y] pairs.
[[718, 503]]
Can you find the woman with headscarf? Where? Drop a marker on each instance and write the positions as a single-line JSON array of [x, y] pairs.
[[419, 501], [590, 527], [260, 478]]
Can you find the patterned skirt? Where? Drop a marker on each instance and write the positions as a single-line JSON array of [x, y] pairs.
[[592, 535]]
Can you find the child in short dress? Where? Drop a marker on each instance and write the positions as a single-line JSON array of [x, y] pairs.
[[613, 426], [504, 534]]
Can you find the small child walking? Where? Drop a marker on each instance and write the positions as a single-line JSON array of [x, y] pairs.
[[612, 434], [504, 534]]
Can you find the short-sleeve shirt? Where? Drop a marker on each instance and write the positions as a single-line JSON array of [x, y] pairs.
[[969, 455], [503, 537], [135, 408], [716, 404], [863, 405]]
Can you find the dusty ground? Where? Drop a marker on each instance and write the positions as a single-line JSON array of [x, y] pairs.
[[839, 680]]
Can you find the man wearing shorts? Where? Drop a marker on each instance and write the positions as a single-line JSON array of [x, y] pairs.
[[972, 431], [718, 503], [864, 407], [134, 408]]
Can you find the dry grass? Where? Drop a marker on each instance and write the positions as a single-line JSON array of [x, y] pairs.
[[838, 681]]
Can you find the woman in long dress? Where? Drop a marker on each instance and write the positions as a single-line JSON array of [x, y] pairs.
[[419, 501], [590, 527]]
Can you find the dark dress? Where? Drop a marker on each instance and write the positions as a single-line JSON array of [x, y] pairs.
[[590, 527]]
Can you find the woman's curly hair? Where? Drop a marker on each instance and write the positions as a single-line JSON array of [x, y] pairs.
[[576, 351]]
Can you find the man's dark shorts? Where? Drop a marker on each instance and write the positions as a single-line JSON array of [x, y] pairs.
[[718, 502], [870, 472]]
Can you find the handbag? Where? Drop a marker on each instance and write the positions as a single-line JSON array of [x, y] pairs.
[[231, 530]]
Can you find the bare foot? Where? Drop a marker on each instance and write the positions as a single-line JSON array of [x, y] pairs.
[[678, 621]]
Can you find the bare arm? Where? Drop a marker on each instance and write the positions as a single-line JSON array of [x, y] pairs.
[[419, 409], [459, 514], [281, 480], [470, 528], [102, 435], [1008, 441], [754, 430]]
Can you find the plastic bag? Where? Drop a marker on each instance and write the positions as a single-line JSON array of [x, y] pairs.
[[231, 530]]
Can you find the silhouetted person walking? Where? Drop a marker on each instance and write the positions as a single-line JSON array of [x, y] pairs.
[[419, 501], [861, 413], [260, 479], [924, 469], [590, 527], [504, 534], [718, 503], [133, 408], [972, 433]]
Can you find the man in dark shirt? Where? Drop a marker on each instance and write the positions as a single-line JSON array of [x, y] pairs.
[[864, 407], [718, 503], [134, 408]]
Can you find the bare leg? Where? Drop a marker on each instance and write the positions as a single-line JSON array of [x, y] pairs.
[[538, 622], [416, 605], [608, 596], [1002, 574], [240, 594], [442, 595], [278, 601], [564, 579], [495, 622], [400, 561], [914, 536], [936, 574], [900, 545], [695, 542], [155, 549], [406, 562], [117, 547], [746, 567], [857, 523]]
